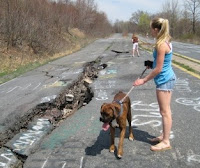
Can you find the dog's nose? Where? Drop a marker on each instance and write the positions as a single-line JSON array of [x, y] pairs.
[[101, 119]]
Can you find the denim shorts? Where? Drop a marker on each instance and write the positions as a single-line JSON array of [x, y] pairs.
[[168, 86]]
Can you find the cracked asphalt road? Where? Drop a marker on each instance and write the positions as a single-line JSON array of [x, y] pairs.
[[79, 140]]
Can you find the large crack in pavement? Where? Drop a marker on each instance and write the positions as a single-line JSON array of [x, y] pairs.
[[30, 129]]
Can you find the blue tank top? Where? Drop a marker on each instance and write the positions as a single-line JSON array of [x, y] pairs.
[[167, 72]]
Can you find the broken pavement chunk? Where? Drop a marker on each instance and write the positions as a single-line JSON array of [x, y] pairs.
[[69, 97]]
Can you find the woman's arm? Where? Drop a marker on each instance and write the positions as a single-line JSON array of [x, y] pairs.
[[159, 64]]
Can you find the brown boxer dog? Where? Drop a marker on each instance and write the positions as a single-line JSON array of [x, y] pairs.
[[114, 115]]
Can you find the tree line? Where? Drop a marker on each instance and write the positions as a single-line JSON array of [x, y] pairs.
[[184, 20], [42, 25]]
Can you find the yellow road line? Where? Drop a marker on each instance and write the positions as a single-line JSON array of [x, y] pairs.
[[189, 72], [186, 57]]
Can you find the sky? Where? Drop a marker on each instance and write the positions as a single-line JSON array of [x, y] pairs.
[[123, 9]]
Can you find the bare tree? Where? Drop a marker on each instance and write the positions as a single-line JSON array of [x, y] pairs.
[[41, 24], [171, 11], [183, 27], [193, 7]]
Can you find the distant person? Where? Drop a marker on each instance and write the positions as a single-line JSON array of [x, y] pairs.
[[147, 35], [164, 78], [135, 41]]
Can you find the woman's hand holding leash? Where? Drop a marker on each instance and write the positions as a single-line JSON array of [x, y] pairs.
[[138, 82]]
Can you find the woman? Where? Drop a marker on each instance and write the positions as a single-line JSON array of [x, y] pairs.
[[164, 78], [135, 45]]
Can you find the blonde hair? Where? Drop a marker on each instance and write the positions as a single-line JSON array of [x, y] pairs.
[[163, 27]]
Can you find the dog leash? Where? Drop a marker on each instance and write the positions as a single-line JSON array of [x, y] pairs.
[[122, 100]]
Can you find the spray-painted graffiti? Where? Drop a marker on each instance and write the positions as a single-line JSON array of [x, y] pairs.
[[193, 158], [26, 139], [37, 86], [7, 158], [55, 84], [195, 102], [150, 111], [69, 73], [107, 72], [60, 164], [102, 95], [4, 88], [110, 73], [182, 85], [31, 87], [190, 157], [105, 84], [108, 76], [23, 142], [69, 154], [18, 88], [151, 115], [171, 136], [100, 88]]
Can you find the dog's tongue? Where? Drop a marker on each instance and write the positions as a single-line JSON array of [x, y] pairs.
[[105, 126]]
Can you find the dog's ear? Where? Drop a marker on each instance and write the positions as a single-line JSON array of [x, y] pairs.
[[114, 111], [103, 105]]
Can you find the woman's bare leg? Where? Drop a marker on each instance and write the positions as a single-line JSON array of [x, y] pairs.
[[133, 52], [164, 99]]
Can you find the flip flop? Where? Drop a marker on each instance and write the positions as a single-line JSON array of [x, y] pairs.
[[155, 148], [155, 139]]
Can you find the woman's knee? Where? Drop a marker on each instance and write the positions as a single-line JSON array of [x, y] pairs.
[[165, 112]]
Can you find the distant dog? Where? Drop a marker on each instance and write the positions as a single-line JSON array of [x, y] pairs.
[[114, 115]]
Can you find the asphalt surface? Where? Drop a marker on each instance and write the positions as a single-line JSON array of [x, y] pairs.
[[186, 49], [79, 141], [20, 95]]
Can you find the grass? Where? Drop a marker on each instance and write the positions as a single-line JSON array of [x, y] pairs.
[[187, 58], [31, 62], [3, 74], [186, 67], [6, 76]]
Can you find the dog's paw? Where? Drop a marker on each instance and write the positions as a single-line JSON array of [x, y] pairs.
[[120, 153], [131, 138], [119, 156], [112, 150]]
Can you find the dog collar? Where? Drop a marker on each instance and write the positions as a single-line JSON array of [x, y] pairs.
[[121, 104]]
